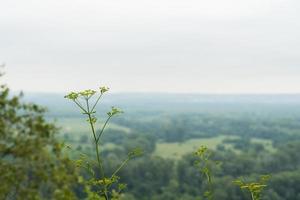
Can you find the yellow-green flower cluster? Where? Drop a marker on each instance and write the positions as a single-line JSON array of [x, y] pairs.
[[103, 89], [114, 111], [255, 188], [92, 120], [108, 181], [72, 95], [85, 93], [201, 151]]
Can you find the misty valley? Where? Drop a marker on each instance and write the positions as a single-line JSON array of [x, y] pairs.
[[249, 134]]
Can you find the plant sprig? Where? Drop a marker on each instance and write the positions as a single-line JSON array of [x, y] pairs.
[[255, 188], [204, 164], [82, 100]]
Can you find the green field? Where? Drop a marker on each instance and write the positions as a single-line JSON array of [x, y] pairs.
[[268, 144], [78, 126], [177, 150]]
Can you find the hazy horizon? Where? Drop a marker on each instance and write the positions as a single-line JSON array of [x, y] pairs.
[[159, 93], [215, 47]]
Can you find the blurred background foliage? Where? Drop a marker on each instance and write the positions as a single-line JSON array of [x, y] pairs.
[[32, 165], [248, 139]]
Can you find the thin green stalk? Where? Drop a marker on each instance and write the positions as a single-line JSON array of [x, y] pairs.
[[102, 130], [98, 154], [95, 138], [87, 105], [96, 102], [252, 197], [120, 167], [80, 106], [96, 145]]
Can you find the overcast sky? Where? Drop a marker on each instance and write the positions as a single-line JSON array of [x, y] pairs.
[[206, 46]]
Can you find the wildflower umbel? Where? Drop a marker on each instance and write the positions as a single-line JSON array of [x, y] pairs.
[[72, 96], [86, 94], [255, 188], [114, 111], [103, 89]]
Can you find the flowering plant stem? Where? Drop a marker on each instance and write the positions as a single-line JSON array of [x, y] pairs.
[[103, 183]]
